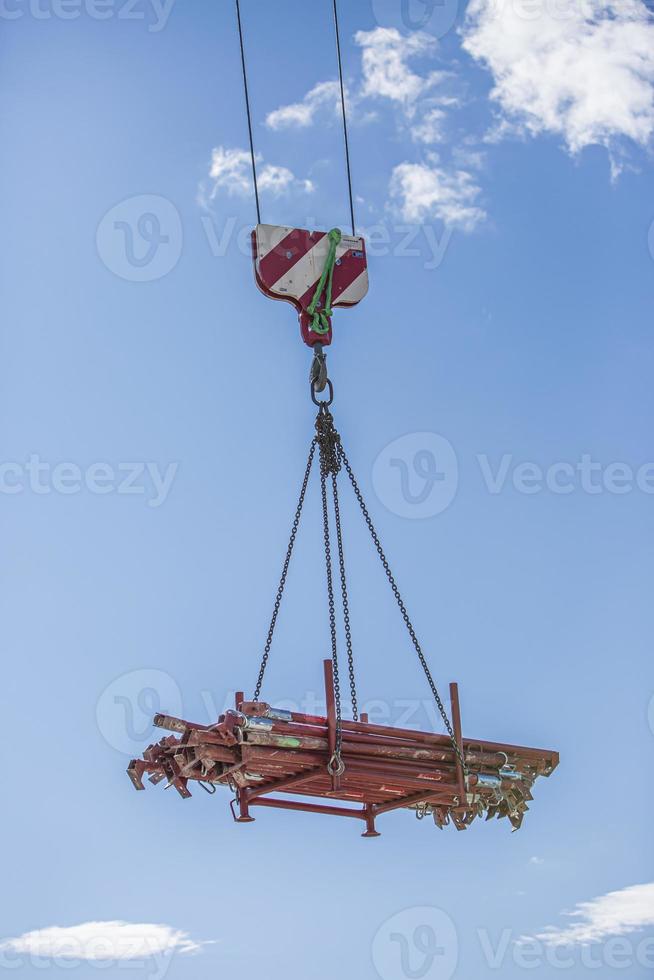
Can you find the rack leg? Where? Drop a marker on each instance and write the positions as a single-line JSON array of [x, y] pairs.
[[370, 822], [244, 809]]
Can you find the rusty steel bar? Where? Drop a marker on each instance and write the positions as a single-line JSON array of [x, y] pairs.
[[353, 795], [456, 725], [432, 738], [280, 785], [336, 811], [331, 705], [418, 754], [491, 754], [257, 755]]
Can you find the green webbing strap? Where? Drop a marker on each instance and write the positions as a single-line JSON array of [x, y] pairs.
[[320, 322]]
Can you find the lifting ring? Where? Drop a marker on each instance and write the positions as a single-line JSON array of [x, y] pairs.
[[322, 401]]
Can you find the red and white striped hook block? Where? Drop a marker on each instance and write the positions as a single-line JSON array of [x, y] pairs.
[[288, 264]]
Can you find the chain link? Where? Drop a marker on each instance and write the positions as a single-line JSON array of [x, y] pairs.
[[346, 604], [282, 581], [324, 470], [332, 457], [396, 592]]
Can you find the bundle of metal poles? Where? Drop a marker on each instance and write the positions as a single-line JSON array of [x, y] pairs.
[[266, 755]]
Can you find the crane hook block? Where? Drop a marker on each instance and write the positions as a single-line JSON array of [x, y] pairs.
[[289, 264]]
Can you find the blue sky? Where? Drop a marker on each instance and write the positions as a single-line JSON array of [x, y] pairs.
[[155, 420]]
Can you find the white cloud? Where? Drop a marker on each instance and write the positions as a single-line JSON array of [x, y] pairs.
[[421, 191], [614, 914], [536, 860], [384, 63], [300, 114], [579, 69], [92, 941], [230, 171], [422, 99], [278, 180], [430, 128], [385, 74]]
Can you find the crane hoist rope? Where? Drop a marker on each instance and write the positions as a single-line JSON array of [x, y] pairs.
[[246, 92], [293, 264]]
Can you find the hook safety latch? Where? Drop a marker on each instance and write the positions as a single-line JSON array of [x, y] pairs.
[[318, 373]]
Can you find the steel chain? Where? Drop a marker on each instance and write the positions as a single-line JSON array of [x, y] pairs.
[[396, 592], [335, 762], [282, 581], [346, 604], [332, 455]]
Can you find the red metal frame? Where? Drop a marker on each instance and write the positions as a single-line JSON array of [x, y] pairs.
[[261, 752]]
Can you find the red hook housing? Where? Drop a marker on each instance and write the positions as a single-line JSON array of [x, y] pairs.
[[288, 264]]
